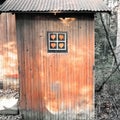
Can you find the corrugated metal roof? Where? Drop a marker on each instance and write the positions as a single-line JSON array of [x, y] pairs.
[[54, 5]]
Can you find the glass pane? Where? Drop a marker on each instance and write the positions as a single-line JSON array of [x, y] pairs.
[[60, 42]]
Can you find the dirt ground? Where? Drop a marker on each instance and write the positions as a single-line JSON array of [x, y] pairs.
[[107, 103]]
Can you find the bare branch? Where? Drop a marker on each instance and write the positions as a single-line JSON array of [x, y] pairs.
[[109, 41], [114, 55], [105, 81]]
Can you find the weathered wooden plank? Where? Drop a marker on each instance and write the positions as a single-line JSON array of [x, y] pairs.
[[8, 52], [21, 61], [53, 83]]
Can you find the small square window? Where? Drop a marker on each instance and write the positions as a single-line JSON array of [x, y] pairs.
[[57, 42]]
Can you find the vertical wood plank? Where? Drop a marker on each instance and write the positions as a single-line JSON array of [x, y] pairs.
[[53, 83], [8, 52]]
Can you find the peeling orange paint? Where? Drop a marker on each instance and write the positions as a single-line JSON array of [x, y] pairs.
[[68, 86], [9, 65]]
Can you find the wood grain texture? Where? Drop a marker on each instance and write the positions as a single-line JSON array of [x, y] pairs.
[[8, 52], [56, 83]]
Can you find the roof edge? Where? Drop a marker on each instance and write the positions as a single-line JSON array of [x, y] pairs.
[[57, 12]]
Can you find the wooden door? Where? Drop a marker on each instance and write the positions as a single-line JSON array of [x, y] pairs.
[[56, 84]]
